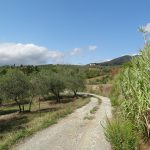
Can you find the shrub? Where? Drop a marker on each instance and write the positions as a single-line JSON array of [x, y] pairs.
[[115, 94], [15, 85], [121, 135], [135, 88], [131, 91]]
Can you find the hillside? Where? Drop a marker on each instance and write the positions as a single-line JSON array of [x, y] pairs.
[[117, 61]]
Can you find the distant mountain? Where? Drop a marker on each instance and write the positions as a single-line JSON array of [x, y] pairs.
[[117, 61]]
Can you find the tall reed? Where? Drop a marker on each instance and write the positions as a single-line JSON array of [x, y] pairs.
[[135, 87]]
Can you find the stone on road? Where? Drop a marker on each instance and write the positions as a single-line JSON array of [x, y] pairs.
[[74, 132]]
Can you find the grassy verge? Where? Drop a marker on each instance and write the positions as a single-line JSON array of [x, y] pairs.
[[27, 124], [130, 96], [120, 133]]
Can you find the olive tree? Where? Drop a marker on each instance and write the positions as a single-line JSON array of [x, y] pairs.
[[56, 85], [39, 87], [75, 83], [15, 86]]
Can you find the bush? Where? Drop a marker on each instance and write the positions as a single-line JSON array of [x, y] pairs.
[[135, 87], [115, 95], [15, 85], [121, 135]]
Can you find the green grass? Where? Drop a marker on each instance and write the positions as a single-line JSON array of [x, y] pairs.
[[120, 133], [130, 96], [93, 111], [27, 124]]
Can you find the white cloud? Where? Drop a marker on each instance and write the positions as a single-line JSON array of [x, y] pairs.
[[31, 54], [76, 51], [92, 47], [83, 50], [18, 53]]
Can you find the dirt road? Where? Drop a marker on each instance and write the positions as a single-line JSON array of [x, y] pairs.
[[74, 132]]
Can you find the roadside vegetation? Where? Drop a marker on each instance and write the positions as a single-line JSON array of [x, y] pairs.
[[130, 96], [21, 87], [35, 97], [22, 125], [32, 98], [102, 83]]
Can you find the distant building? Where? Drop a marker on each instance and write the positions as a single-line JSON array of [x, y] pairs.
[[92, 64]]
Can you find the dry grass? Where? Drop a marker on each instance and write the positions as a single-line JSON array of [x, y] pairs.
[[101, 89], [22, 125], [145, 146]]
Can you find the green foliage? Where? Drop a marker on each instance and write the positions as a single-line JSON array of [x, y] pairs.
[[120, 133], [32, 81], [29, 69], [39, 84], [115, 95], [131, 93], [136, 87], [75, 82], [100, 80], [28, 124], [3, 71], [92, 72], [15, 86], [56, 85]]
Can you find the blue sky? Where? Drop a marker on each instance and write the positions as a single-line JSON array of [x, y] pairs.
[[70, 31]]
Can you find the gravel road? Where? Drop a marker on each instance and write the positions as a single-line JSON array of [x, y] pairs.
[[74, 132]]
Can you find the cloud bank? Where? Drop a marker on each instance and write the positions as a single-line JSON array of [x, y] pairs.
[[31, 54], [27, 54]]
